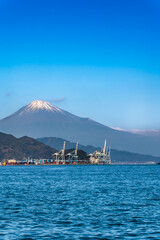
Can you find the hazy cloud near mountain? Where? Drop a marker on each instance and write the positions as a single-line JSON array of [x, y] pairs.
[[146, 132]]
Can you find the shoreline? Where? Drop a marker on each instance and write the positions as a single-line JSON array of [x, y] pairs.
[[112, 164]]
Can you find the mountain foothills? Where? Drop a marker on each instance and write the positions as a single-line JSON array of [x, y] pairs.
[[26, 147], [41, 119], [21, 148]]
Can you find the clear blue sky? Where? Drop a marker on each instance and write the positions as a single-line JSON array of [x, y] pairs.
[[97, 59]]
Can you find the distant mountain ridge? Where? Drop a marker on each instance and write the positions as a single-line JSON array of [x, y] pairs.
[[41, 119], [57, 143], [116, 156]]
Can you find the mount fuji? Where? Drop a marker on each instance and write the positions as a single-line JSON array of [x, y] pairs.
[[41, 119]]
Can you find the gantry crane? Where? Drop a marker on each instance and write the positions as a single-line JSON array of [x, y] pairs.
[[101, 157], [60, 156], [73, 157]]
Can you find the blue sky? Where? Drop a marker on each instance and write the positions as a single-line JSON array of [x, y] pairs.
[[97, 59]]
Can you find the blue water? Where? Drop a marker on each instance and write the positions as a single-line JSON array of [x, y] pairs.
[[79, 202]]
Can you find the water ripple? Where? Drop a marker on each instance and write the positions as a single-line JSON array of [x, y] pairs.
[[79, 202]]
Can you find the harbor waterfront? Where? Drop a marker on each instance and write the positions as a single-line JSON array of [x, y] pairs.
[[80, 202], [14, 162], [61, 157]]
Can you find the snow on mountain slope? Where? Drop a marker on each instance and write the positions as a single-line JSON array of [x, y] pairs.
[[39, 105]]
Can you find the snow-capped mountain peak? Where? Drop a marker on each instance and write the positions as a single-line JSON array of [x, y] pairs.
[[39, 105]]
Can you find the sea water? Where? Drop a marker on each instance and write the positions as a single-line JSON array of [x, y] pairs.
[[79, 202]]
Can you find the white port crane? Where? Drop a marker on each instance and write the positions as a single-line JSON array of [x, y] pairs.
[[73, 157], [101, 157], [60, 156]]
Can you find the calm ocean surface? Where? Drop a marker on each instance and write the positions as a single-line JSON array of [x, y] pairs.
[[79, 202]]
